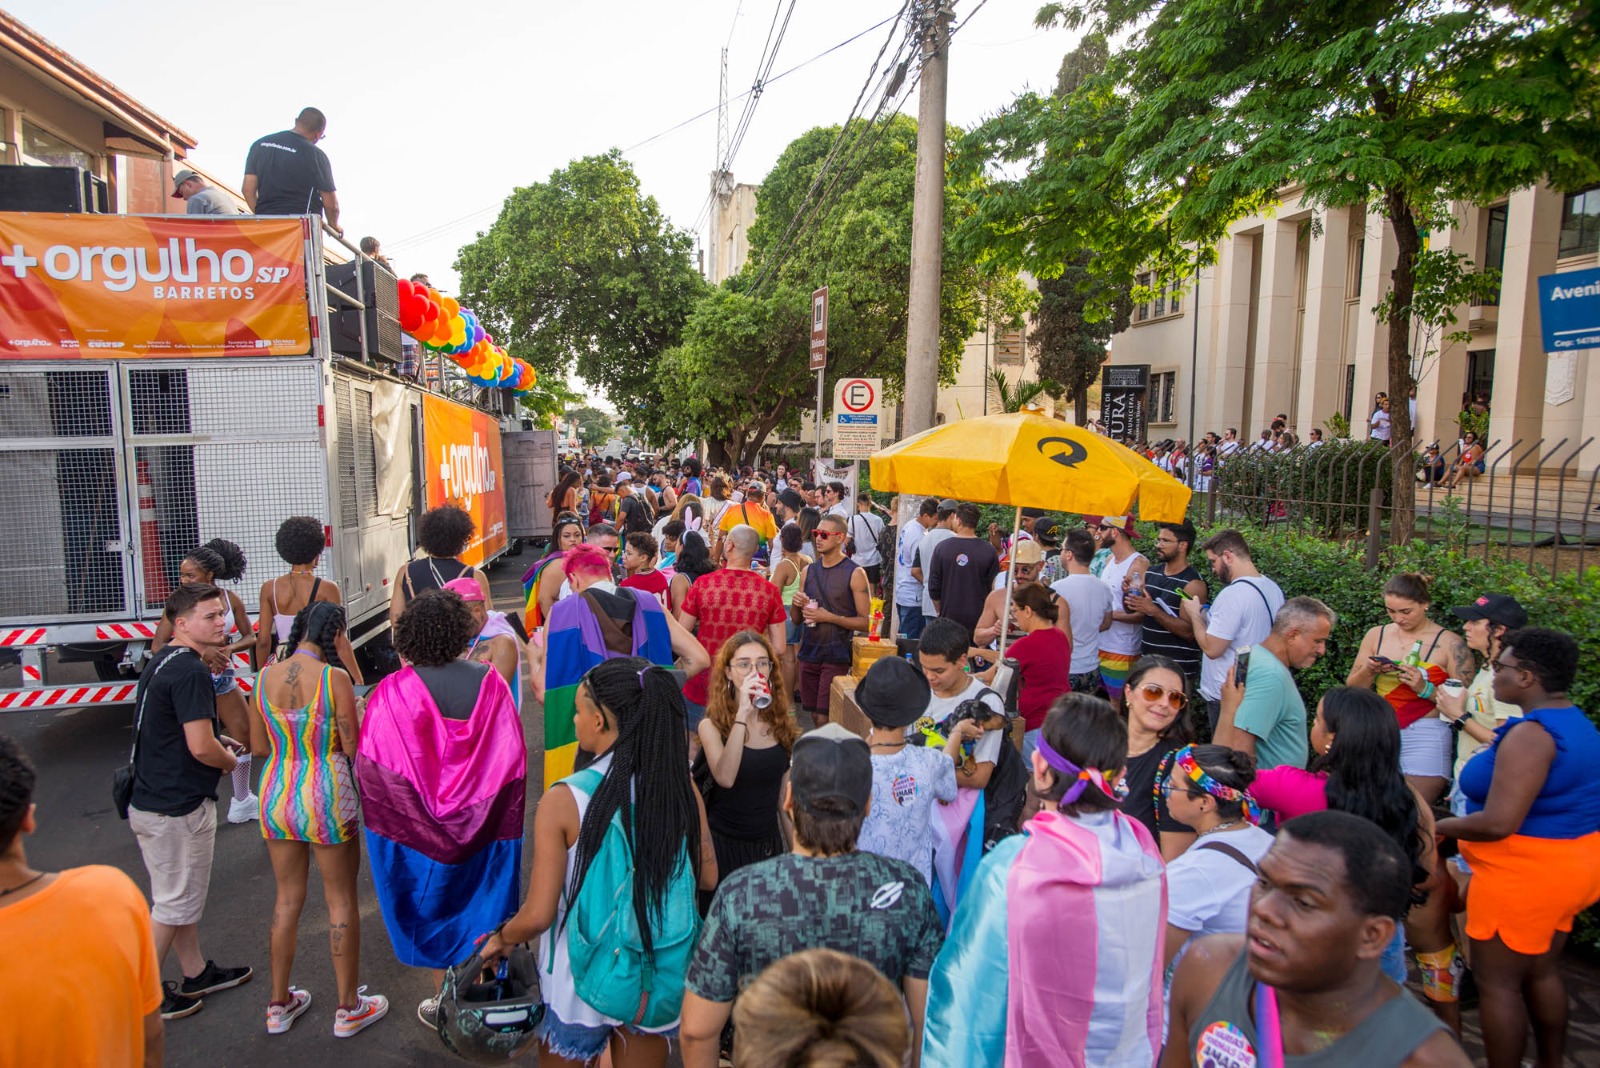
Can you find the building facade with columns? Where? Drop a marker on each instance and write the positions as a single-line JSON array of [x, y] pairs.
[[1284, 323]]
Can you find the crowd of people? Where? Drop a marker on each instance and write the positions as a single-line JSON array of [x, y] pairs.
[[1092, 819]]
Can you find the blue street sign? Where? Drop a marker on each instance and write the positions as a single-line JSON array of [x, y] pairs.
[[1569, 310]]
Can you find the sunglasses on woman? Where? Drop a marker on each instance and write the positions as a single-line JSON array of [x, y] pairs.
[[1176, 699]]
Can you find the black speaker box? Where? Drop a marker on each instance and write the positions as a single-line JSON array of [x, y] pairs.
[[70, 189]]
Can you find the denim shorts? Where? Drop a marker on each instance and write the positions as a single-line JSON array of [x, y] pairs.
[[224, 683], [579, 1042]]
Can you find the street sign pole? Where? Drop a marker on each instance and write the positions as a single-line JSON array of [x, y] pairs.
[[819, 352]]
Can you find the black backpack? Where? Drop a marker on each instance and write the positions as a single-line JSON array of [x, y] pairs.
[[633, 516]]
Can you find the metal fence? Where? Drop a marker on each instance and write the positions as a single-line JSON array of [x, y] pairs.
[[1537, 501]]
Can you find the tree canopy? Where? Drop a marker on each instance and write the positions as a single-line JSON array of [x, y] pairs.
[[584, 272], [1212, 107]]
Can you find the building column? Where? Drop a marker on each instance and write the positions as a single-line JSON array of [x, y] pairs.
[[1444, 374], [1372, 336], [1275, 325], [1235, 260], [1533, 226], [1321, 353]]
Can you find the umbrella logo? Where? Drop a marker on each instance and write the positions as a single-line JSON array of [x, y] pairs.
[[1074, 455]]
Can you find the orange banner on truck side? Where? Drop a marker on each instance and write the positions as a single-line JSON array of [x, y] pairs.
[[113, 286], [465, 467]]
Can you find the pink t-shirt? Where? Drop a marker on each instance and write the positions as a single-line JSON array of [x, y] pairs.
[[1044, 659], [1290, 791]]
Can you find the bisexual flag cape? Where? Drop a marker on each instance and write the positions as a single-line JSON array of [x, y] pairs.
[[573, 644], [442, 800], [1055, 954]]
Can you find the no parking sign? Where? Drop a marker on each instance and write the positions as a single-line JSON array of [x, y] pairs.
[[857, 405]]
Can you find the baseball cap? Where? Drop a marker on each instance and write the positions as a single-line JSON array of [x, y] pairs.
[[1123, 523], [467, 588], [1496, 608], [755, 487], [178, 179], [1029, 551], [622, 476], [1047, 531], [1033, 513], [791, 500], [948, 505], [831, 764], [893, 693]]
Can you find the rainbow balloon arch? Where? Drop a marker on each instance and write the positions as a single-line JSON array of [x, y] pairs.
[[444, 326]]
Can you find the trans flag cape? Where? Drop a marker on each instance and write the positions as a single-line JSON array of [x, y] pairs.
[[573, 644], [443, 801], [1055, 954]]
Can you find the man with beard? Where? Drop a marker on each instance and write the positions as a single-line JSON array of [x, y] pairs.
[[1124, 571], [1166, 630], [1239, 616]]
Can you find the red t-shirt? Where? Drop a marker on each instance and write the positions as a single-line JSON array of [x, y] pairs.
[[726, 602], [1044, 660], [652, 582]]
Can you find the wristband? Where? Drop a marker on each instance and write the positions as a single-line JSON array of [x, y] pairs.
[[1427, 691]]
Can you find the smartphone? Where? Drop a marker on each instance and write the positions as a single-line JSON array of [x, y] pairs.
[[1241, 665], [1383, 661]]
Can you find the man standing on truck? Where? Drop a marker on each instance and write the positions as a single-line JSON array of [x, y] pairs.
[[201, 198], [287, 174]]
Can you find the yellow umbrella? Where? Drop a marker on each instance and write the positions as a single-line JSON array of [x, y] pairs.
[[1028, 460]]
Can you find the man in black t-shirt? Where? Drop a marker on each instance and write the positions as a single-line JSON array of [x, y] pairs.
[[287, 174], [963, 570], [178, 758]]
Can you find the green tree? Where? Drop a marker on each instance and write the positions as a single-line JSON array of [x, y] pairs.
[[583, 272], [741, 372], [549, 397], [594, 426], [1214, 106], [1009, 398]]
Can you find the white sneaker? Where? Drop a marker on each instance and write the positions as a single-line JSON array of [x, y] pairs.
[[370, 1008], [428, 1012], [244, 809], [282, 1017]]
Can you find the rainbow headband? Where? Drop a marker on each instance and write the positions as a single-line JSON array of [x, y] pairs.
[[1079, 777], [1184, 761]]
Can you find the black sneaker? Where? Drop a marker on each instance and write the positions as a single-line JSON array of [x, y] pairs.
[[213, 979], [175, 1005]]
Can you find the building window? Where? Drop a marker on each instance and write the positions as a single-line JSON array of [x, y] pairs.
[[1141, 312], [1008, 348], [41, 148], [1163, 396], [1356, 262], [1494, 244], [1164, 300], [1580, 223]]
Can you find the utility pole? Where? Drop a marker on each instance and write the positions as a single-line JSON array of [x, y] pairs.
[[720, 186], [927, 220]]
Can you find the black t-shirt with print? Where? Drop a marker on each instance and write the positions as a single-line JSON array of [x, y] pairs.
[[961, 576], [872, 907], [167, 779], [291, 174], [1145, 802]]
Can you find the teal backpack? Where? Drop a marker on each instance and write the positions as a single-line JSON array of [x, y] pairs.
[[610, 969]]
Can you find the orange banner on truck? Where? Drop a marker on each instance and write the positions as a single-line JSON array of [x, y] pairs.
[[113, 286], [465, 467]]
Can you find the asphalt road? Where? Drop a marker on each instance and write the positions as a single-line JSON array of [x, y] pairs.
[[76, 751]]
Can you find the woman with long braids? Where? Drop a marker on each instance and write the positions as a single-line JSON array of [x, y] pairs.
[[631, 713], [307, 730], [213, 563], [300, 542]]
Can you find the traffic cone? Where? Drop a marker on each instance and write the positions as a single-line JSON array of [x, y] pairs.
[[157, 587]]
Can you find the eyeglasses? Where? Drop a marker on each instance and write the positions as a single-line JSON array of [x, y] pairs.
[[753, 665], [1502, 665], [1176, 699], [609, 550]]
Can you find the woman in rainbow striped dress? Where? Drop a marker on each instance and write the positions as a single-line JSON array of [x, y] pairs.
[[306, 727]]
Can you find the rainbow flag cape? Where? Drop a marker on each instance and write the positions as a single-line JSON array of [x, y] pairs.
[[573, 644], [532, 620], [1055, 956], [443, 802]]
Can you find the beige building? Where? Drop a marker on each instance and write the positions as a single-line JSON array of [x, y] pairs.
[[733, 210], [1283, 323]]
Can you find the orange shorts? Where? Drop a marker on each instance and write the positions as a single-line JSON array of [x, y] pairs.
[[1526, 889]]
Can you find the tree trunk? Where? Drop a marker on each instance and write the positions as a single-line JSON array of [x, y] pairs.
[[1080, 406], [1403, 494]]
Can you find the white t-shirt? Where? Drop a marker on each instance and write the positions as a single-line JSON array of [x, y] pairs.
[[1124, 638], [907, 590], [1208, 892], [987, 749], [865, 528], [1380, 425], [930, 542], [905, 784], [1242, 613], [1088, 600]]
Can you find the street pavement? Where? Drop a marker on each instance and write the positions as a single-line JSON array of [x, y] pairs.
[[76, 751]]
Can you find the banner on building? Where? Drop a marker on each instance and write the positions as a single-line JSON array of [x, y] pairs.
[[118, 286], [826, 471], [1569, 310], [465, 467], [1122, 401]]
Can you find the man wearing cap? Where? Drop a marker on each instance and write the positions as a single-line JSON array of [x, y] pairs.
[[786, 507], [1030, 516], [1048, 534], [906, 779], [863, 530], [752, 513], [943, 527], [495, 644], [202, 199], [1030, 561], [824, 895], [907, 579], [1124, 570], [962, 570]]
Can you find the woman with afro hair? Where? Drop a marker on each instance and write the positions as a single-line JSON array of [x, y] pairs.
[[215, 562], [300, 542], [443, 533]]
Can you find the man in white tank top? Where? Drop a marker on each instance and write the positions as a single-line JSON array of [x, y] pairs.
[[1119, 646]]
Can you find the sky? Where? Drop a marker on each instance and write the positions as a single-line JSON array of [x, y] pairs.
[[437, 111]]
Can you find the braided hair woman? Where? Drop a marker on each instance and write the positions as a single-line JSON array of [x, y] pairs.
[[631, 714], [307, 730], [216, 562]]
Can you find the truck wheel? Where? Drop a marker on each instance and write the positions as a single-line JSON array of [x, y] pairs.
[[110, 669]]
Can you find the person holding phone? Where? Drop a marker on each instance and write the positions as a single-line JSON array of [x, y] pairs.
[[1265, 715]]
